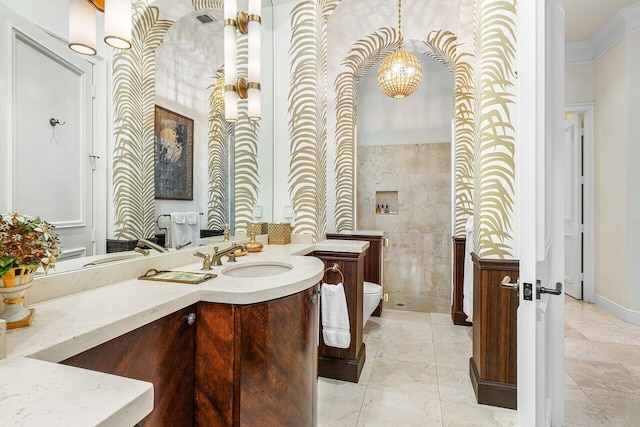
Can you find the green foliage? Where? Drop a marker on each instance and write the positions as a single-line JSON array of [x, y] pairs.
[[27, 242]]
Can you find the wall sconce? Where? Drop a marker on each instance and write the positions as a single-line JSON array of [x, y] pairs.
[[238, 87], [82, 24]]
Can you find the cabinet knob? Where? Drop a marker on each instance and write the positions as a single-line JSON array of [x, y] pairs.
[[313, 298], [191, 319]]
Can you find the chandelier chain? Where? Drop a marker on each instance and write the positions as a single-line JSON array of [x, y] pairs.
[[399, 24]]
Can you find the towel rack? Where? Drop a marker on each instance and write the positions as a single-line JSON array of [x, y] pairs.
[[335, 269], [168, 215]]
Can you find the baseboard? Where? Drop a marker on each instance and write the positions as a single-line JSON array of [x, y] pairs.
[[459, 318], [626, 314], [492, 393], [342, 369]]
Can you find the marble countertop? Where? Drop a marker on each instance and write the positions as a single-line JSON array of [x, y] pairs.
[[71, 324], [362, 233]]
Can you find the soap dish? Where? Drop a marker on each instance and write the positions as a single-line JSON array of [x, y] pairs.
[[187, 277]]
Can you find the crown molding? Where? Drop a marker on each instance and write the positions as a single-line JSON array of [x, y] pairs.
[[623, 22], [578, 53]]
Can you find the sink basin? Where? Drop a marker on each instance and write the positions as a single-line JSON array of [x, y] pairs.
[[256, 269]]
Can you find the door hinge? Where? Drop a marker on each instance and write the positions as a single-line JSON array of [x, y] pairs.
[[581, 131], [93, 92], [93, 236], [582, 228]]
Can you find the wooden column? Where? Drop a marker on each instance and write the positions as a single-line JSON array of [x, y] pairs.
[[373, 259], [493, 367], [338, 363], [457, 313]]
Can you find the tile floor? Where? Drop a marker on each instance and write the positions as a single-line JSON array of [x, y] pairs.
[[419, 302], [416, 374]]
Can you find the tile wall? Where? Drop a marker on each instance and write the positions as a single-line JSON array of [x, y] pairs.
[[417, 263]]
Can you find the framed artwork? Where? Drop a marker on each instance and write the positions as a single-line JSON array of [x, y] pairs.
[[173, 155]]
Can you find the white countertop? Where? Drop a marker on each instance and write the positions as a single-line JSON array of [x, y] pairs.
[[362, 233], [66, 326]]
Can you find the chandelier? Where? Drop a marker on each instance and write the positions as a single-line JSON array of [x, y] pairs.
[[400, 73], [82, 24]]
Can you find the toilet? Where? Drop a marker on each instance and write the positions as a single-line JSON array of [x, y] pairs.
[[370, 300]]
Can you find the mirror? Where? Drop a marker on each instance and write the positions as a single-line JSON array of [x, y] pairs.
[[95, 185]]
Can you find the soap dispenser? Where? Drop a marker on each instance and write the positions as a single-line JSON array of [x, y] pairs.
[[253, 246], [226, 233]]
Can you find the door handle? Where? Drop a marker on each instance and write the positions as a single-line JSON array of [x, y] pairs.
[[528, 293], [506, 283], [191, 318], [543, 290]]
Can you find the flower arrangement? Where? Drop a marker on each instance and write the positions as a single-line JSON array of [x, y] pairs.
[[27, 243]]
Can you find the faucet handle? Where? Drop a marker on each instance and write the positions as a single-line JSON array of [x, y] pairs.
[[200, 254], [215, 249]]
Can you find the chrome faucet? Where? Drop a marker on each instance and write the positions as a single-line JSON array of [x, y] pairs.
[[216, 259], [145, 242]]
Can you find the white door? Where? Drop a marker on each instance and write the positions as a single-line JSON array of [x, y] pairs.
[[540, 177], [573, 206], [51, 169]]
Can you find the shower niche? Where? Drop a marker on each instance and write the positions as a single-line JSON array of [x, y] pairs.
[[386, 203]]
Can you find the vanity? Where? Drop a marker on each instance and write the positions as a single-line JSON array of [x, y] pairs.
[[241, 349], [230, 351]]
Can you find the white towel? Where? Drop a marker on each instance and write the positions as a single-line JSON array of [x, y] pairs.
[[179, 229], [467, 284], [335, 316], [193, 224]]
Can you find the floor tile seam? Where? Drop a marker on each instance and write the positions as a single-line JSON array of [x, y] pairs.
[[366, 389], [428, 396], [435, 361], [602, 411], [608, 389], [610, 325], [613, 361], [611, 356]]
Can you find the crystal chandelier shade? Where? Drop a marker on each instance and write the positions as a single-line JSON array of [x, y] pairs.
[[400, 73]]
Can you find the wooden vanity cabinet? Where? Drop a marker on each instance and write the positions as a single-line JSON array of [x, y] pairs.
[[237, 365], [256, 364], [373, 259], [163, 353], [345, 364]]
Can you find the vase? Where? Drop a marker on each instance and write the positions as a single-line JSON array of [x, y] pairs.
[[15, 284]]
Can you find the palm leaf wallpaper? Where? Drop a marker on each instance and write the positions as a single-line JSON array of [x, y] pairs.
[[494, 192], [207, 4], [362, 56], [133, 156], [443, 47], [134, 100], [307, 119], [484, 134], [218, 207]]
